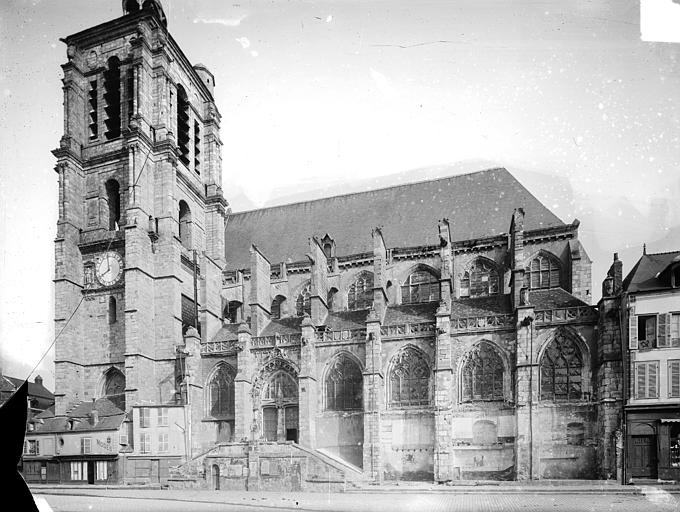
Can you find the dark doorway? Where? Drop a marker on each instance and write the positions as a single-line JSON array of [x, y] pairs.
[[216, 477], [90, 472], [643, 457]]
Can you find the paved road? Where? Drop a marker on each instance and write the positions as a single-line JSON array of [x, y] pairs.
[[651, 501]]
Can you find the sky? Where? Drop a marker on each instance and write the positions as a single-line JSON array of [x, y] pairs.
[[329, 96]]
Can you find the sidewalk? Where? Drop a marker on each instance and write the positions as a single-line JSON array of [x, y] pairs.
[[369, 496]]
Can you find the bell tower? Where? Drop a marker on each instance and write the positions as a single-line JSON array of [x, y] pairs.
[[139, 249]]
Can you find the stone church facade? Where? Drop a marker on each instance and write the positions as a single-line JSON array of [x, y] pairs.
[[439, 330]]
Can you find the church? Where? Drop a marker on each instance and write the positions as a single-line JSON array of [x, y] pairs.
[[436, 331]]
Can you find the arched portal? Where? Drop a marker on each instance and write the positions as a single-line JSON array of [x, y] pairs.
[[275, 398], [279, 402]]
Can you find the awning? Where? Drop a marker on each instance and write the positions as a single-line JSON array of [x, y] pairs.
[[670, 420]]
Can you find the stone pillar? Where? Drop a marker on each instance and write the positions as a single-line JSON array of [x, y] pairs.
[[243, 428], [374, 401], [260, 291], [527, 444], [517, 255], [194, 388], [609, 378], [379, 274], [443, 400], [308, 388], [446, 255], [319, 281]]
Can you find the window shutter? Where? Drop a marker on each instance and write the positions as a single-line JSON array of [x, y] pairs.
[[662, 330], [641, 380], [674, 379], [632, 332], [652, 387]]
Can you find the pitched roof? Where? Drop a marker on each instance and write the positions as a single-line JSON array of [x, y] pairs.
[[553, 298], [481, 306], [110, 418], [34, 389], [647, 274], [411, 313], [477, 205]]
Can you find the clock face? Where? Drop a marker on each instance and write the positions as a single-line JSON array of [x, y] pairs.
[[109, 268]]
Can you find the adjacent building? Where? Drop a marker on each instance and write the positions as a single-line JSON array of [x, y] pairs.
[[647, 310]]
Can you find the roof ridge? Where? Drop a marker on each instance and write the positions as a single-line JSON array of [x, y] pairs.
[[431, 180], [661, 253]]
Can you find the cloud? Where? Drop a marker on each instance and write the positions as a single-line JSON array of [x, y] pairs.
[[243, 41], [227, 22]]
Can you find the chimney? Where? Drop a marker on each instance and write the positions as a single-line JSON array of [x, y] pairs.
[[379, 274], [38, 380], [446, 254], [260, 291], [94, 414], [319, 282], [517, 255]]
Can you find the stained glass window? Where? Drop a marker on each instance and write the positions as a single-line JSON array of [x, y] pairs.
[[542, 272], [221, 392], [480, 280], [303, 304], [344, 385], [409, 379], [421, 286], [360, 294], [561, 370], [482, 374]]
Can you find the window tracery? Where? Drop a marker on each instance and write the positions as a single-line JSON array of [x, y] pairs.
[[480, 280], [409, 379], [482, 374], [344, 385], [303, 304], [360, 295], [542, 272], [221, 392], [561, 370], [420, 286]]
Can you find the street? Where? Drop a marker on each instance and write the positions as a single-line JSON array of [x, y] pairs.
[[651, 500]]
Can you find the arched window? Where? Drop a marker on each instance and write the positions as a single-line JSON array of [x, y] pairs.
[[360, 295], [276, 306], [344, 385], [221, 392], [421, 286], [331, 298], [112, 99], [542, 272], [480, 280], [185, 224], [113, 201], [482, 377], [113, 313], [114, 387], [183, 125], [409, 379], [303, 303], [561, 370], [281, 386], [232, 311]]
